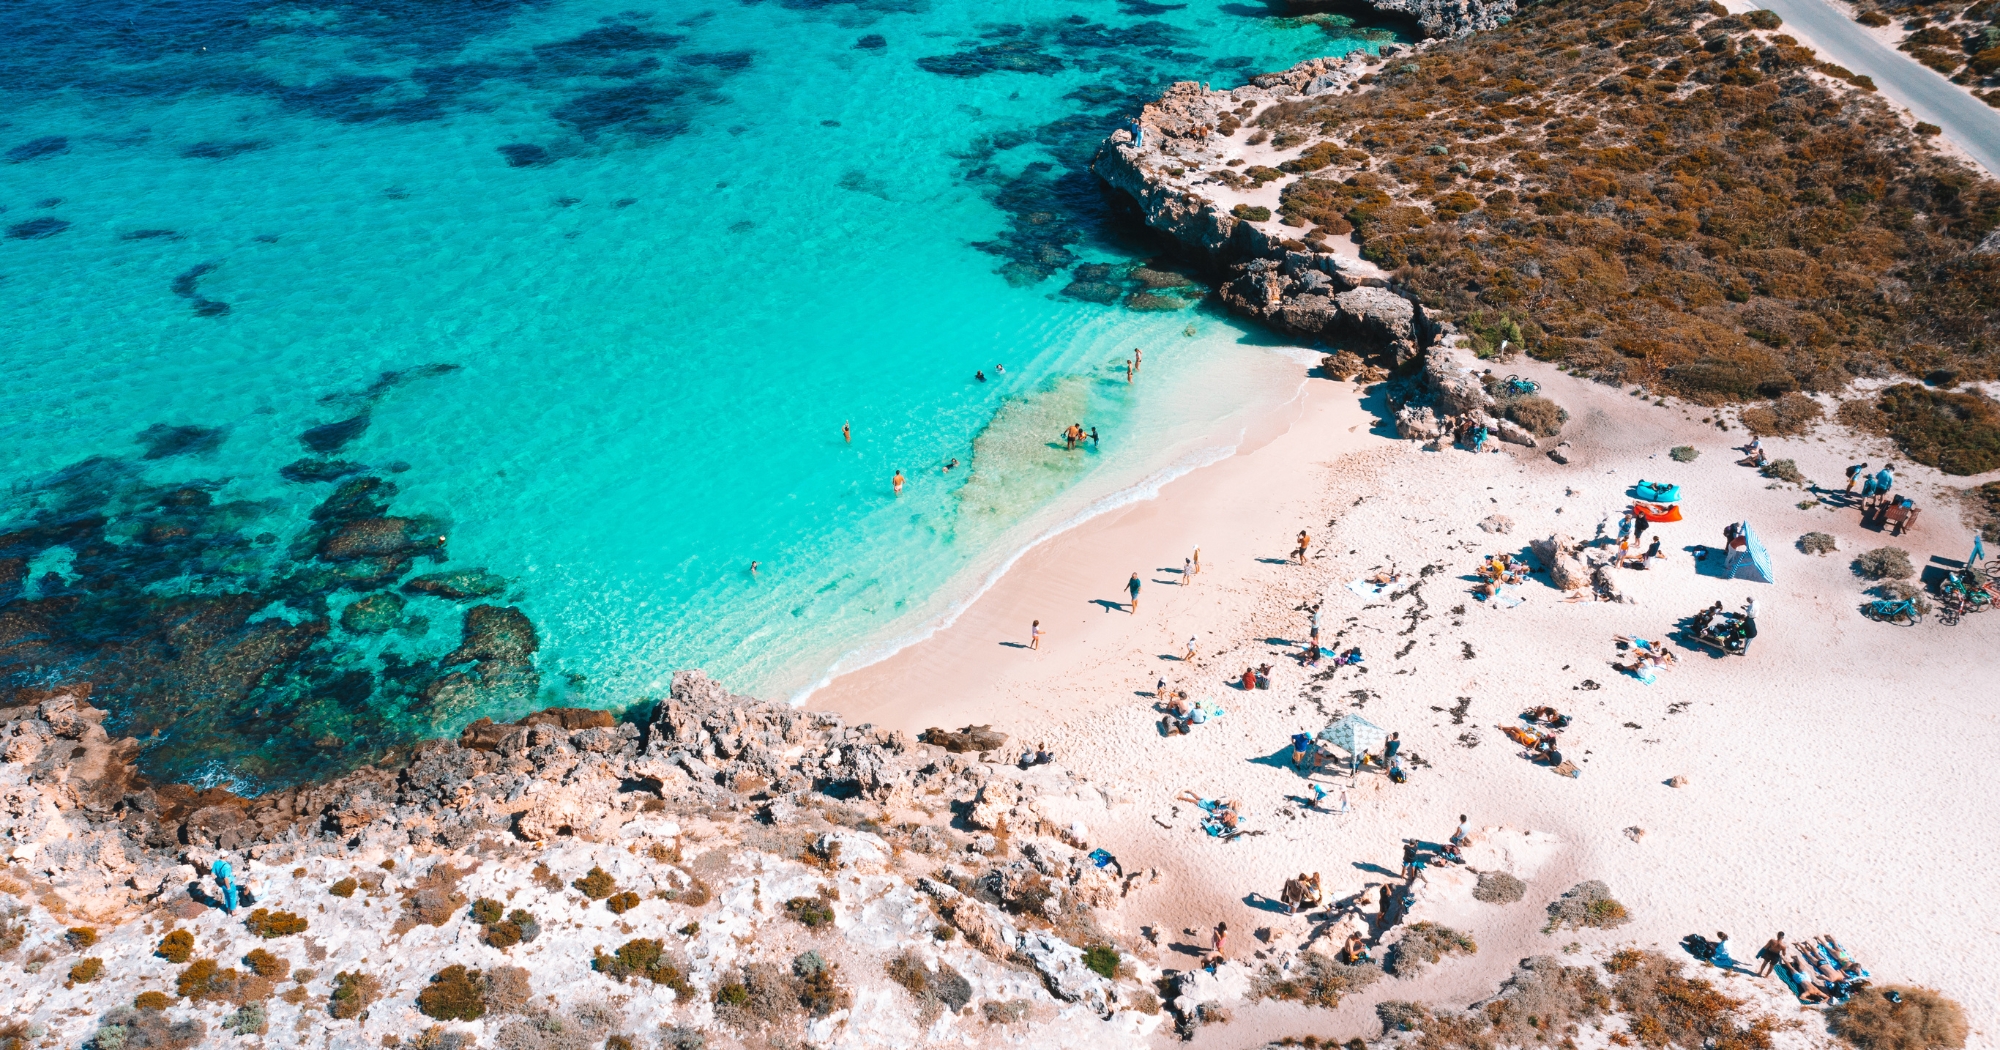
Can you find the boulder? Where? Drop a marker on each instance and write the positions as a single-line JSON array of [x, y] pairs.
[[1558, 555], [373, 614], [1513, 433], [1449, 374], [1381, 315], [969, 739], [457, 585], [1063, 972], [1418, 423], [1500, 524]]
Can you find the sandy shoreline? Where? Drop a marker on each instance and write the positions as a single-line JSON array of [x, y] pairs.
[[1833, 773]]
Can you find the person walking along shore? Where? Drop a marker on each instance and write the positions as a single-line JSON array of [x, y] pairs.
[[1132, 586]]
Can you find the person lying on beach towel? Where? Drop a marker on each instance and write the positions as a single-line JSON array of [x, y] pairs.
[[1647, 658], [1223, 815]]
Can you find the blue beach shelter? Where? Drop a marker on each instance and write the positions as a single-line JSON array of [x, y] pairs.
[[1753, 562]]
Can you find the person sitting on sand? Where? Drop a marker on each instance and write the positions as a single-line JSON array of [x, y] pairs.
[[1310, 896], [1355, 951], [1182, 715], [1289, 896]]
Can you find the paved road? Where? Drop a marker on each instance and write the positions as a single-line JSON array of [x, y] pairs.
[[1971, 124]]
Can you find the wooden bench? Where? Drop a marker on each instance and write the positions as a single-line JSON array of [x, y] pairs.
[[1894, 517]]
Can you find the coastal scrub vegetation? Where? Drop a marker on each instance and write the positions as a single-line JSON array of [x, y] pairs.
[[1423, 944], [644, 957], [1498, 887], [1923, 1020], [763, 995], [1315, 980], [936, 989], [269, 924], [1665, 1007], [1543, 1003], [1959, 39], [1885, 563], [1666, 195], [1958, 432], [1820, 543], [454, 994], [176, 947], [1586, 904], [352, 994]]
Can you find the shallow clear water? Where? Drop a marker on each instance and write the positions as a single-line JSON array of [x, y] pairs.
[[669, 248]]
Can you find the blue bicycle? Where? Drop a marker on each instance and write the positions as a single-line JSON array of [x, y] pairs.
[[1888, 611]]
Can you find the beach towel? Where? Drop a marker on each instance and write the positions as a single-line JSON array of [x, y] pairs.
[[1568, 769], [1099, 857], [1508, 596], [1367, 588], [1646, 674]]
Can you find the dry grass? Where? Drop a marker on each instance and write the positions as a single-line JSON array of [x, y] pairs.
[[1924, 1020], [1498, 887], [265, 964], [1820, 543], [1885, 563], [597, 884], [176, 947], [1789, 414], [1662, 194]]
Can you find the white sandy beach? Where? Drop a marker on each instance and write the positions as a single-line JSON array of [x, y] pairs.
[[1833, 773]]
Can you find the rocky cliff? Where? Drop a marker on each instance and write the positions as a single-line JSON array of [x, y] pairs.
[[1444, 18], [1195, 179], [727, 866]]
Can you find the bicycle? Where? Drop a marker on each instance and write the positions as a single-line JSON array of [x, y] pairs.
[[1518, 386], [1887, 611]]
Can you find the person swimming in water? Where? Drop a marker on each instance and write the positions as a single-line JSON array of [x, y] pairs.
[[980, 375], [1093, 437], [951, 464], [999, 370]]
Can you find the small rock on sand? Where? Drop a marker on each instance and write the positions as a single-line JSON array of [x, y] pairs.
[[1676, 782], [1635, 833], [1498, 523]]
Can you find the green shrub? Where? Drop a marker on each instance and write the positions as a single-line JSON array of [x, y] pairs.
[[487, 911], [343, 888], [1924, 1020], [352, 994], [813, 912], [455, 993], [1784, 470], [269, 924], [1818, 543], [1102, 960], [249, 1019], [1956, 432], [176, 946], [643, 957], [1251, 213], [1885, 563], [1684, 453]]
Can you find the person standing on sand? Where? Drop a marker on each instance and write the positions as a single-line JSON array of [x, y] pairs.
[[1132, 586], [1035, 635], [1187, 570], [1189, 657], [1854, 475], [847, 433], [1219, 940], [1389, 749], [1305, 541], [898, 482], [1774, 949], [1197, 559]]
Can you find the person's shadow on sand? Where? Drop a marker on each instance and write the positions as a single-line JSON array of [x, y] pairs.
[[1187, 949], [1108, 605], [1014, 645]]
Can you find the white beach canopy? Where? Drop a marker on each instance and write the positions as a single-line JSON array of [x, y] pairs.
[[1354, 735]]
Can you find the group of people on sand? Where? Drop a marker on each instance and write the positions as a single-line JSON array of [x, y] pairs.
[[1816, 970], [1302, 893]]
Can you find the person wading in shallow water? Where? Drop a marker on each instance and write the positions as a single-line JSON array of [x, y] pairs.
[[847, 433], [1138, 358], [898, 482]]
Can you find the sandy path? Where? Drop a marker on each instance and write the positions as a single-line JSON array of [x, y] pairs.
[[1837, 775]]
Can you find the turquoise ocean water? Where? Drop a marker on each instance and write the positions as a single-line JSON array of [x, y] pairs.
[[667, 249]]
